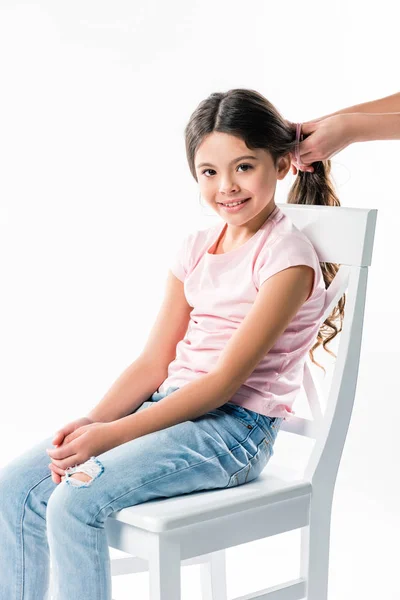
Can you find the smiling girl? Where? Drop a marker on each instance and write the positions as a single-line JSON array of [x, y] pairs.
[[202, 406]]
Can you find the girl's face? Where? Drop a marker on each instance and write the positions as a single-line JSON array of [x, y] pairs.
[[225, 175]]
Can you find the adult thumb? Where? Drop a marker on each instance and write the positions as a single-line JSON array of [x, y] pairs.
[[310, 126]]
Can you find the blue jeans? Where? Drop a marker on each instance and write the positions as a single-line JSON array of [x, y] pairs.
[[39, 519]]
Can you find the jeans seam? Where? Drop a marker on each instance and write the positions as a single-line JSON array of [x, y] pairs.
[[97, 533], [267, 433], [22, 535], [250, 429], [250, 463], [249, 467], [165, 475], [243, 421]]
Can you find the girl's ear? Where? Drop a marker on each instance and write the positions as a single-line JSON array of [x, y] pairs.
[[283, 166]]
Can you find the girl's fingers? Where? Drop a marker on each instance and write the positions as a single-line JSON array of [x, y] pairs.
[[56, 469], [55, 477], [57, 474]]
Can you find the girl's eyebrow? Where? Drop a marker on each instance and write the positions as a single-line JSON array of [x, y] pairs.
[[203, 164]]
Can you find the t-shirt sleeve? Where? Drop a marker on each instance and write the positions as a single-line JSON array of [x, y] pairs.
[[286, 251], [179, 262]]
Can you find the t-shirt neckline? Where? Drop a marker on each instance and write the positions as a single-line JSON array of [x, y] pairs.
[[245, 245]]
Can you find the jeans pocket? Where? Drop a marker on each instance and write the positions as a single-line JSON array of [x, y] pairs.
[[239, 414], [269, 425], [255, 465]]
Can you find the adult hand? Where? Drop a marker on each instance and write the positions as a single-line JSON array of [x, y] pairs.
[[62, 436], [326, 137], [86, 441]]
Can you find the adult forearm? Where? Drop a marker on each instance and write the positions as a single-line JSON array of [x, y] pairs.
[[368, 127], [133, 387], [388, 104], [193, 400]]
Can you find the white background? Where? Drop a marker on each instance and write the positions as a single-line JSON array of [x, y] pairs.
[[96, 195]]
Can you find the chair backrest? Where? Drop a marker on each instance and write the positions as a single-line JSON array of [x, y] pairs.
[[344, 236]]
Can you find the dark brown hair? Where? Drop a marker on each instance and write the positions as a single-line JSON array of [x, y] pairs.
[[248, 115]]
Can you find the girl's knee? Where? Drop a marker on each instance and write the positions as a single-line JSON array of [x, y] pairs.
[[75, 496], [84, 474]]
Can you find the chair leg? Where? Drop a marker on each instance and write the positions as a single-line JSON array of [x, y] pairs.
[[314, 554], [165, 570], [213, 577]]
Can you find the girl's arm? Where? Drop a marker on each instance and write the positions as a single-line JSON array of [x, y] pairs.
[[145, 375], [193, 400], [135, 385]]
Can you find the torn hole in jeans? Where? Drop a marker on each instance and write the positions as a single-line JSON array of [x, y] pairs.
[[92, 467]]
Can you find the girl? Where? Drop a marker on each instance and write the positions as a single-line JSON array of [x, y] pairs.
[[201, 407]]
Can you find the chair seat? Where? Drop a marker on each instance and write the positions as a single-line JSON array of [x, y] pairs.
[[165, 514]]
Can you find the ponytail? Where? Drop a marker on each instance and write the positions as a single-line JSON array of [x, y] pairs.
[[316, 188]]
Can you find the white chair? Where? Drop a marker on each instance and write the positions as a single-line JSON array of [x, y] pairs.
[[163, 535]]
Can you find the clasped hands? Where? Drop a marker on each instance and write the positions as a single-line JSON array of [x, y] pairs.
[[326, 137], [90, 439]]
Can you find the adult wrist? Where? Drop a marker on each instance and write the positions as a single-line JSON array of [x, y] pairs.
[[355, 126]]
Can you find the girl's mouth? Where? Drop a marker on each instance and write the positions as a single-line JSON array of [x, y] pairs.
[[235, 208]]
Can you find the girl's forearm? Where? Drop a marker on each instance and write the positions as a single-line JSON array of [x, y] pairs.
[[133, 387], [368, 127], [388, 104], [194, 400]]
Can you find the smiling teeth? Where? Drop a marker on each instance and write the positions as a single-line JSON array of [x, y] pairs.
[[235, 204]]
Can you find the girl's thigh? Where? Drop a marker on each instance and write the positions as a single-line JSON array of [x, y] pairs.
[[221, 449]]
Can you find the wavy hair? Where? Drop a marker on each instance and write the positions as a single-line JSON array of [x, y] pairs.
[[250, 116]]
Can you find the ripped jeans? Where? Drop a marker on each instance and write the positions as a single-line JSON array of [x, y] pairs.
[[41, 521]]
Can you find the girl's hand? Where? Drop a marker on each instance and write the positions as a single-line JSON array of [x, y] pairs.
[[326, 137], [62, 433], [60, 437], [86, 441]]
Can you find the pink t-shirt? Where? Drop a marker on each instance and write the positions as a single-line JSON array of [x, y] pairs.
[[222, 288]]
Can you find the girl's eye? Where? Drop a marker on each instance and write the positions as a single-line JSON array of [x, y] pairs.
[[241, 165]]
